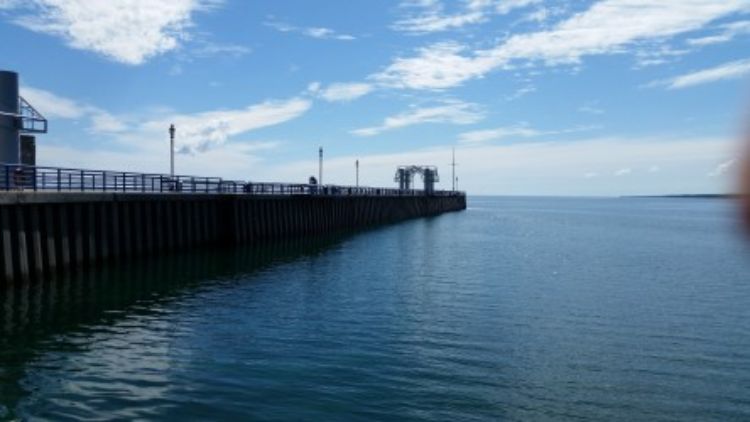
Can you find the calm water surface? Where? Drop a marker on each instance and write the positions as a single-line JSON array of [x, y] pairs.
[[517, 309]]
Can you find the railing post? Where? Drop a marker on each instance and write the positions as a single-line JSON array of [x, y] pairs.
[[34, 171]]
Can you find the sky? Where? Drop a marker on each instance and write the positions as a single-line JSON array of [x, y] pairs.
[[537, 97]]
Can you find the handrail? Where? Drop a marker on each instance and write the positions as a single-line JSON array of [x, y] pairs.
[[14, 177]]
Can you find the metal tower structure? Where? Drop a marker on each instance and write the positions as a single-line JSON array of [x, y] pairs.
[[17, 117], [405, 177]]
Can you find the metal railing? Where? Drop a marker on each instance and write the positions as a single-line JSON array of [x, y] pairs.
[[15, 177]]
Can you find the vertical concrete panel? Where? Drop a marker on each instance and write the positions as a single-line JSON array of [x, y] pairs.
[[126, 227], [179, 233], [282, 220], [7, 243], [256, 221], [21, 244], [261, 216], [171, 224], [159, 225], [148, 220], [78, 233], [306, 216], [36, 240], [250, 220], [273, 215], [296, 212], [137, 226], [91, 245], [247, 220], [197, 230], [189, 226], [236, 229], [50, 232], [239, 218], [115, 209], [104, 229], [206, 212], [65, 242]]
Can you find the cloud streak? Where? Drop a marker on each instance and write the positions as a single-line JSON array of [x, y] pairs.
[[197, 132], [451, 112], [431, 16], [607, 27], [731, 70], [318, 32]]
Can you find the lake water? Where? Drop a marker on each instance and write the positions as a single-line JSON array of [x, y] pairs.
[[516, 309]]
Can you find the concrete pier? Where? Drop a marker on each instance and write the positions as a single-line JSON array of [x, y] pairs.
[[42, 233]]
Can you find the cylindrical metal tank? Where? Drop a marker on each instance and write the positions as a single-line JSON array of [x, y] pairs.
[[10, 151]]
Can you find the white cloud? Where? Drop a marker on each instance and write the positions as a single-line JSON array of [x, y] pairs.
[[526, 168], [607, 27], [591, 175], [438, 66], [127, 31], [342, 92], [521, 92], [478, 136], [654, 169], [623, 172], [728, 33], [591, 108], [431, 16], [103, 122], [731, 70], [199, 132], [722, 168], [544, 168], [312, 32], [518, 131], [51, 105], [453, 112]]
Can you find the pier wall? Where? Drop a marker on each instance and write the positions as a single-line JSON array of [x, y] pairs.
[[41, 233]]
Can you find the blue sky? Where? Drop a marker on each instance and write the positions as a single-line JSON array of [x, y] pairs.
[[607, 97]]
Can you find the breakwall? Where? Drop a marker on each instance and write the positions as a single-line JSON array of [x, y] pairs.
[[42, 233]]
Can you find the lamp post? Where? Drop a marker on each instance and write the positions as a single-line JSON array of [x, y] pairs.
[[356, 165], [453, 173], [320, 165], [171, 150]]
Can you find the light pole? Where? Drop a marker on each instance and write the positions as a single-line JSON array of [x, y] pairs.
[[171, 150], [356, 165], [453, 166], [320, 165]]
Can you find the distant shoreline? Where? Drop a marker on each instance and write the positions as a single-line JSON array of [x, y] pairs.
[[691, 196]]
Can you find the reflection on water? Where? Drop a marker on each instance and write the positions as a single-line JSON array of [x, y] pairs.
[[518, 309], [35, 316]]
